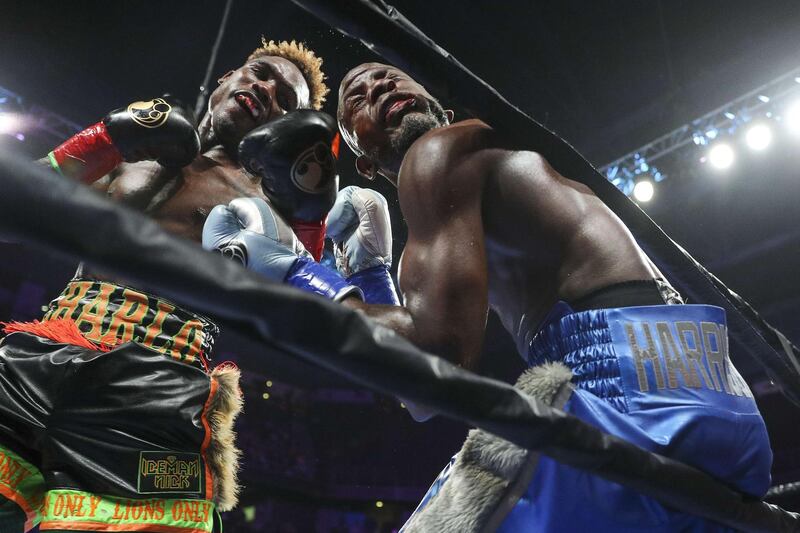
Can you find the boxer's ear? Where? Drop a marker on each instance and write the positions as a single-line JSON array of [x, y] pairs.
[[204, 129], [450, 115], [366, 167]]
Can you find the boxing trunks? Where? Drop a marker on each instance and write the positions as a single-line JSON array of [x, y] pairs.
[[658, 376], [111, 420]]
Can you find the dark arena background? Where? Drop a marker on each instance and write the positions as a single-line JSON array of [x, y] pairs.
[[692, 107]]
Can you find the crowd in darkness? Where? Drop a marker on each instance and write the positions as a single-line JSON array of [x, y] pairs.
[[321, 462]]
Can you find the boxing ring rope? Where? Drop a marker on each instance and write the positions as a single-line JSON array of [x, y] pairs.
[[65, 217], [200, 103], [385, 31]]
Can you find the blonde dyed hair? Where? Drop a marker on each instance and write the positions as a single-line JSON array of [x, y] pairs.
[[304, 59]]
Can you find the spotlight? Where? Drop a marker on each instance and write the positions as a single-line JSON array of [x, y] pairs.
[[758, 137], [721, 156], [792, 117], [379, 504], [643, 190], [9, 122]]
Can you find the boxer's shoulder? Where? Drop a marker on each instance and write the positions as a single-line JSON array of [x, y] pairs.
[[453, 156], [452, 143]]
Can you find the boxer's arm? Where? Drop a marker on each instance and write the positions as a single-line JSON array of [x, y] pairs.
[[443, 273]]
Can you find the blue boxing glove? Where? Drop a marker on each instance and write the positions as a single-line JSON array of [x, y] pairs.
[[361, 230], [250, 231]]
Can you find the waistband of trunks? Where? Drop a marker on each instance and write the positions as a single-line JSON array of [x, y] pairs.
[[583, 342], [108, 313], [617, 353]]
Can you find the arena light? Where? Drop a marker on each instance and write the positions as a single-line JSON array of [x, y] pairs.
[[721, 156], [643, 190], [758, 136], [792, 117], [9, 122]]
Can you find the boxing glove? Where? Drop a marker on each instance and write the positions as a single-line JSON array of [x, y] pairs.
[[250, 231], [295, 156], [160, 129], [361, 230]]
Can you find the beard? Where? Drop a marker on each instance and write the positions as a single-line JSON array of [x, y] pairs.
[[415, 125]]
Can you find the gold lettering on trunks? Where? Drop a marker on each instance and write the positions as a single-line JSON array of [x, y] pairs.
[[164, 472], [642, 355], [155, 327], [69, 300], [93, 312], [129, 315], [714, 355], [672, 357], [190, 335], [692, 349]]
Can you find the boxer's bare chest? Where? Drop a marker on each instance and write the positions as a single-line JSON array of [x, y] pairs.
[[181, 200]]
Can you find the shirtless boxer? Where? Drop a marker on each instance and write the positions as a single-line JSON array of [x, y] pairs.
[[492, 225], [110, 417]]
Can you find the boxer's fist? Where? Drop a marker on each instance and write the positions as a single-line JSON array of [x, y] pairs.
[[249, 231], [295, 156], [361, 230], [160, 129]]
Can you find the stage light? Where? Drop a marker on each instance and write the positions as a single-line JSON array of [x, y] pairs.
[[9, 122], [758, 136], [379, 504], [721, 156], [792, 117], [643, 191], [763, 98]]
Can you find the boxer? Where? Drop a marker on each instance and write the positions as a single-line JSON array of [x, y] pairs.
[[111, 418], [492, 226]]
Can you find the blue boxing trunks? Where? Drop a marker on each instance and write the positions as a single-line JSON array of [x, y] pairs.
[[658, 376]]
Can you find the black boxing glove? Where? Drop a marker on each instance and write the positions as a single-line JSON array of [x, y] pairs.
[[295, 156], [160, 129]]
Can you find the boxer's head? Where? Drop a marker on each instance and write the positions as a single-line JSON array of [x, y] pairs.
[[382, 111], [275, 79]]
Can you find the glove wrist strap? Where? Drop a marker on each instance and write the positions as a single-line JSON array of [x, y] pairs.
[[313, 277], [376, 284], [86, 156]]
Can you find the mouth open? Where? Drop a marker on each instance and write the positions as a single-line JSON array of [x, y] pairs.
[[397, 109], [250, 104]]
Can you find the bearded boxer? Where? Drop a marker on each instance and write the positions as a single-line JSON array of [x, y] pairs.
[[111, 418], [492, 226]]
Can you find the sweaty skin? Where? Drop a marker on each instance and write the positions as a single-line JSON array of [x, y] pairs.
[[180, 201], [489, 224]]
